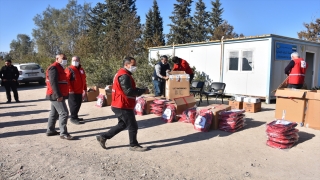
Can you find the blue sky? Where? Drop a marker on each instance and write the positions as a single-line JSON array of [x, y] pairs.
[[250, 17]]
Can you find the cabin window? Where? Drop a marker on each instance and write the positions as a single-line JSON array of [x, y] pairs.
[[247, 63], [233, 60]]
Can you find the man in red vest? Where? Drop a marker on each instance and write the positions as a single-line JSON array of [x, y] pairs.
[[77, 84], [57, 93], [124, 93], [182, 65], [296, 71]]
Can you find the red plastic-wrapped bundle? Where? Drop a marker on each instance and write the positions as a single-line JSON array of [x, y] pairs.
[[160, 101], [234, 113], [279, 145], [169, 113], [157, 107], [282, 134], [232, 129], [231, 121], [203, 120], [281, 126], [140, 106], [100, 100], [189, 115], [283, 141]]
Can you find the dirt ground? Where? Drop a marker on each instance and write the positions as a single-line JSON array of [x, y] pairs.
[[177, 151]]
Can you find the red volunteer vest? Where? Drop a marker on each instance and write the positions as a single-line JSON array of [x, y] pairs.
[[298, 71], [62, 80], [78, 84], [119, 99]]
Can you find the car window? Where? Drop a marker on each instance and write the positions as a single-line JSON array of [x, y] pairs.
[[29, 67]]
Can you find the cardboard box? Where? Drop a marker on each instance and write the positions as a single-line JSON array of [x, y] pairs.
[[236, 104], [108, 96], [183, 103], [251, 100], [148, 100], [216, 109], [312, 119], [177, 85], [292, 102], [252, 107], [92, 95], [239, 98]]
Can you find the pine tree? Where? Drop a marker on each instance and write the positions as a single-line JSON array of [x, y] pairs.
[[153, 32], [157, 25], [181, 27], [216, 16], [200, 23]]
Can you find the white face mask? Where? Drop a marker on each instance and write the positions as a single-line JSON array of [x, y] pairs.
[[64, 62], [75, 63], [132, 69]]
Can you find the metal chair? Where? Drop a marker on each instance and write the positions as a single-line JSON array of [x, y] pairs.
[[216, 89], [197, 88]]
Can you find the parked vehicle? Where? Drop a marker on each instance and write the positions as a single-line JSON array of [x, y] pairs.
[[30, 72]]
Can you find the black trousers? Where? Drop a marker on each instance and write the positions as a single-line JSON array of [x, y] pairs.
[[74, 102], [126, 119], [295, 86], [11, 85]]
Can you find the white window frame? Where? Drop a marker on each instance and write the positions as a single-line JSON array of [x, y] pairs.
[[240, 61]]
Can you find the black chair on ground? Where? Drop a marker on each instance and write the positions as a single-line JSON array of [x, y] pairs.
[[197, 88], [216, 89]]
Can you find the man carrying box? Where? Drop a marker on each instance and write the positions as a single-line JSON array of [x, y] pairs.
[[124, 93]]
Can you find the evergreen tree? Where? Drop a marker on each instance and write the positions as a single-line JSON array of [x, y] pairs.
[[200, 23], [153, 32], [181, 27], [157, 25], [216, 16]]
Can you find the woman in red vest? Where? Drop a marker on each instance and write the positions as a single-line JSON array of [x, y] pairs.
[[124, 93], [296, 71]]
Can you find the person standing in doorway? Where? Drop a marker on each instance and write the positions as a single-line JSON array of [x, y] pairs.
[[159, 76], [57, 93], [296, 71], [76, 77], [9, 75], [182, 65], [124, 93]]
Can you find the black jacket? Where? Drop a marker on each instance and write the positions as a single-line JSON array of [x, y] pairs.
[[9, 73], [287, 70], [126, 85]]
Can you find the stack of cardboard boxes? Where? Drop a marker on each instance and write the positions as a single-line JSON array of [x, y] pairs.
[[300, 106], [249, 104]]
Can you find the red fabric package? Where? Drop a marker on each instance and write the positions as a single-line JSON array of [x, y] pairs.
[[169, 113], [283, 141], [279, 145], [189, 115], [292, 132], [230, 124], [232, 113], [155, 112], [228, 129], [159, 101], [280, 126], [140, 106], [239, 117], [203, 120]]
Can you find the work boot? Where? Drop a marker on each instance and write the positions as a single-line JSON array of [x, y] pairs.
[[102, 141], [52, 133], [67, 137], [75, 121], [138, 148]]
